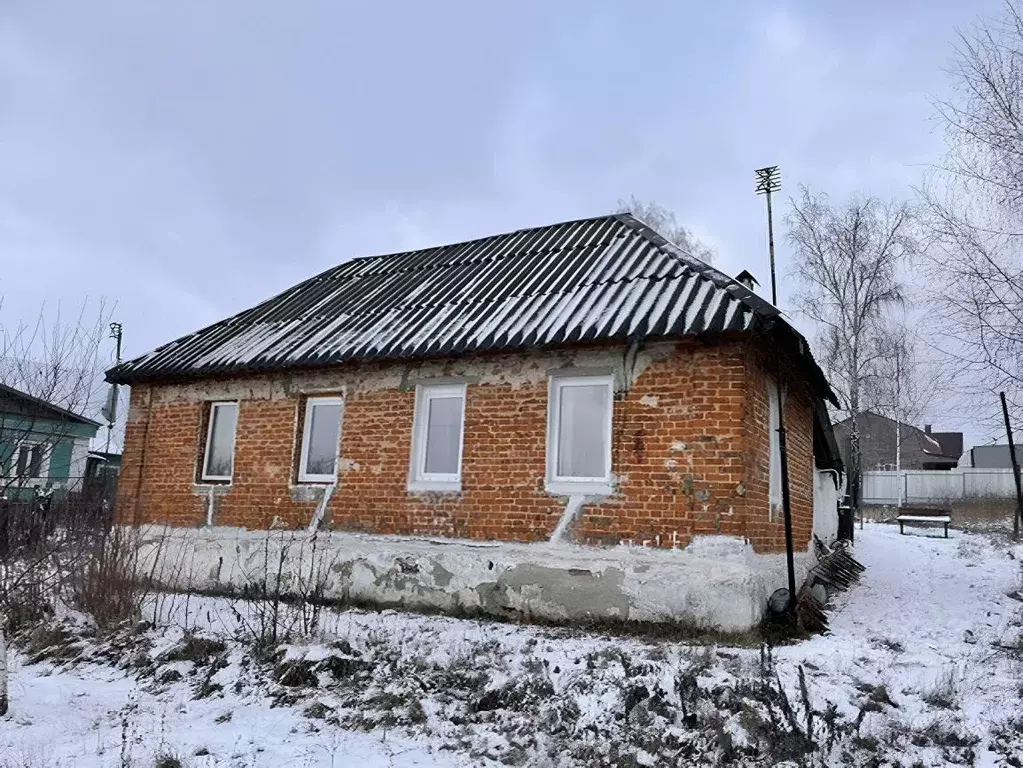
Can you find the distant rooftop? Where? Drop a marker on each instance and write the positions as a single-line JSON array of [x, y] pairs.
[[19, 403], [991, 457]]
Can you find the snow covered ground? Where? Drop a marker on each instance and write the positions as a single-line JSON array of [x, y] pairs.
[[932, 621], [923, 666], [96, 716]]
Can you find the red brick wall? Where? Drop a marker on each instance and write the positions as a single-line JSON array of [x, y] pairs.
[[690, 450], [767, 534]]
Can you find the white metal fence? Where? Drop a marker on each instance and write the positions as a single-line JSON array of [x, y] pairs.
[[926, 485]]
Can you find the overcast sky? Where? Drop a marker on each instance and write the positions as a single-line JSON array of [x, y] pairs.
[[188, 159]]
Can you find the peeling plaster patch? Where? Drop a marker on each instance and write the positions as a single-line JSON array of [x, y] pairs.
[[204, 489], [349, 465], [651, 354], [678, 445], [649, 400], [740, 490], [670, 463], [441, 576], [306, 493], [576, 594]]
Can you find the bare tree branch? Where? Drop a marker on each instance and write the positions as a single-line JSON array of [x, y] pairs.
[[51, 362], [665, 222], [55, 361], [973, 210], [848, 259]]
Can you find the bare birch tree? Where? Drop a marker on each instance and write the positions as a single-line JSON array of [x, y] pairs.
[[908, 380], [666, 223], [905, 387], [973, 206], [983, 117], [848, 258]]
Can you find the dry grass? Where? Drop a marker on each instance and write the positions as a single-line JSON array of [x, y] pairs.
[[946, 692]]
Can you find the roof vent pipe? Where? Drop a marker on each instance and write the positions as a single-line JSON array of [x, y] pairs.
[[747, 280]]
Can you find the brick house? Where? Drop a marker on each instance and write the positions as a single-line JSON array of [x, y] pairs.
[[477, 390]]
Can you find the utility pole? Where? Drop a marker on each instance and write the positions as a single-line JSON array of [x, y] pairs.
[[898, 431], [1015, 468], [116, 332], [110, 411], [768, 182]]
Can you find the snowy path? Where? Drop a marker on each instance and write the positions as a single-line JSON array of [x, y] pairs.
[[923, 621]]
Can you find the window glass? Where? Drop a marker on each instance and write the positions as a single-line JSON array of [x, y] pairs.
[[443, 435], [30, 461], [582, 430], [220, 444], [35, 464], [321, 437], [23, 457], [437, 437]]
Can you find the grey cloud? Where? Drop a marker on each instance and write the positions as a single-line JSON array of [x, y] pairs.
[[188, 159]]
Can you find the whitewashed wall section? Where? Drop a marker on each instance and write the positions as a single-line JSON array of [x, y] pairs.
[[716, 583]]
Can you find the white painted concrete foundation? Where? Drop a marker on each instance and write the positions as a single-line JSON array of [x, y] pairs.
[[716, 583]]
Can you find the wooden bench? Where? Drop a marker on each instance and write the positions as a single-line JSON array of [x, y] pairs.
[[942, 519]]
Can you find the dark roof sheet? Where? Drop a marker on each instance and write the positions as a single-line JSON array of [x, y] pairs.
[[21, 403], [951, 443], [610, 277]]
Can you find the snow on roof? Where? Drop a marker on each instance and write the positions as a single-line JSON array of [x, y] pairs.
[[610, 277]]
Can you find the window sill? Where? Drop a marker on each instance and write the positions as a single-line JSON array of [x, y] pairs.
[[584, 487], [435, 486]]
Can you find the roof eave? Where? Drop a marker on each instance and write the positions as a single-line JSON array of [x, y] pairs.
[[124, 376], [62, 412]]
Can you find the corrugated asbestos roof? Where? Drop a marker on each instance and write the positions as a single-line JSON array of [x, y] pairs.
[[610, 277]]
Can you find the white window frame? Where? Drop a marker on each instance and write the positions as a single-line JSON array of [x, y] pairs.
[[419, 478], [310, 404], [566, 486], [209, 438]]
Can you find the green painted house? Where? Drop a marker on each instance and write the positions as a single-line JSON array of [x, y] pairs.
[[41, 445]]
